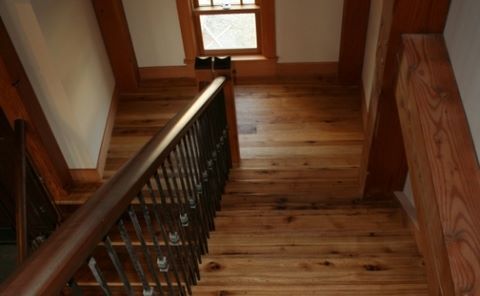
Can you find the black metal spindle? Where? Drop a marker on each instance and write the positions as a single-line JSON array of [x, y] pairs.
[[97, 274], [185, 233], [193, 225], [168, 262], [133, 257], [162, 261], [145, 250], [188, 252], [118, 265], [167, 227], [204, 183], [196, 208]]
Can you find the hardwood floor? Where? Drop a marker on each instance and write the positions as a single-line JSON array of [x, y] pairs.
[[291, 221]]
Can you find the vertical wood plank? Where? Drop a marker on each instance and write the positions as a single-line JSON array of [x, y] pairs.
[[228, 92], [443, 165], [116, 36], [352, 46], [20, 192], [384, 164], [184, 8]]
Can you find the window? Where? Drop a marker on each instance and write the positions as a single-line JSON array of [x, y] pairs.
[[228, 26]]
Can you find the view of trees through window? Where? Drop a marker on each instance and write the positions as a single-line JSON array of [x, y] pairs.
[[229, 31]]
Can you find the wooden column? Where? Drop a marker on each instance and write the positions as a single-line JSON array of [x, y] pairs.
[[18, 101], [352, 47], [204, 76], [116, 36], [444, 168], [384, 165]]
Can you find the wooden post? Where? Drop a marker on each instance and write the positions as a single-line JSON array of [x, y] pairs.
[[443, 165], [384, 166], [20, 191], [205, 71]]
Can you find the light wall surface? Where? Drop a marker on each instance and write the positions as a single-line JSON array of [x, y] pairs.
[[62, 51], [369, 63], [462, 35], [308, 30], [155, 30]]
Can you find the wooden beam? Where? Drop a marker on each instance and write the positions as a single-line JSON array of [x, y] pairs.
[[443, 164], [354, 34], [19, 101], [116, 36], [384, 165]]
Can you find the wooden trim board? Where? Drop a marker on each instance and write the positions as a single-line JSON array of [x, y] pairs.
[[384, 166], [364, 108], [442, 163], [354, 37], [248, 68], [95, 175]]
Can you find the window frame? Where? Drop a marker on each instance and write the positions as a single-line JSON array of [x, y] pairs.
[[198, 11]]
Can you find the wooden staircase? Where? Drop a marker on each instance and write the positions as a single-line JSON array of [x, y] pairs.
[[291, 219], [272, 239]]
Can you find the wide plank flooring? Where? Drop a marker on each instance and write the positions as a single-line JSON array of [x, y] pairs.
[[292, 221]]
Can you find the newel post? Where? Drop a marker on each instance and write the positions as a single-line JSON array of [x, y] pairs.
[[206, 69]]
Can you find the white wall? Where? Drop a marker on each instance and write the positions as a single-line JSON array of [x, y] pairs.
[[155, 30], [462, 35], [369, 63], [308, 30], [61, 48]]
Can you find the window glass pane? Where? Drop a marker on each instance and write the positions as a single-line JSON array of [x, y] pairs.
[[248, 1], [204, 3], [227, 2], [229, 31]]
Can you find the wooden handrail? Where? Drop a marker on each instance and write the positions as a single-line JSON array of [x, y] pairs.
[[443, 166], [56, 261]]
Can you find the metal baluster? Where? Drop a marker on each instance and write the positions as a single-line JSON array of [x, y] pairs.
[[200, 190], [133, 257], [184, 227], [162, 261], [221, 140], [97, 274], [146, 252], [118, 265], [191, 226], [170, 257], [206, 187], [171, 228], [179, 229], [75, 289], [195, 204], [214, 130], [205, 125]]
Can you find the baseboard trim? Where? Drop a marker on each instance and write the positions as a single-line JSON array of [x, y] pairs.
[[85, 176], [248, 68], [307, 69], [410, 213], [166, 72]]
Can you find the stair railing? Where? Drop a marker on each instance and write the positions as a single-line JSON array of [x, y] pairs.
[[165, 199]]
